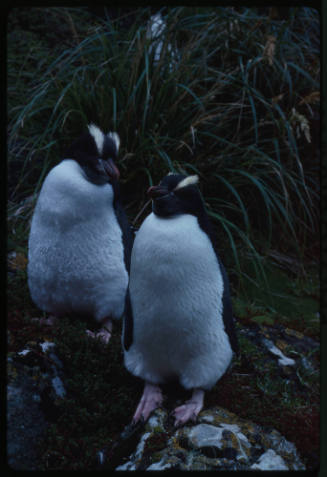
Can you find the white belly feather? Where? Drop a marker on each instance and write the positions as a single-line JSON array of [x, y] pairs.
[[176, 293], [76, 257]]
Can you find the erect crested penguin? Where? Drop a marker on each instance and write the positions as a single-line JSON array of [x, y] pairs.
[[80, 240], [178, 321]]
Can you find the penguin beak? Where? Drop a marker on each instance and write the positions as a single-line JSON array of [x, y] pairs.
[[111, 169], [156, 191]]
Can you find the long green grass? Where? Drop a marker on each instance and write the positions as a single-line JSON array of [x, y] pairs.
[[233, 98]]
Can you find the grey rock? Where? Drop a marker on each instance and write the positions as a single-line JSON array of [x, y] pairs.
[[283, 360], [25, 424], [34, 387], [270, 461], [218, 441]]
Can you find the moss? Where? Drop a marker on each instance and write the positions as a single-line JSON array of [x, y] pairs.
[[283, 346], [156, 457], [284, 393], [155, 443], [102, 395], [263, 319], [157, 429], [293, 302], [98, 403], [178, 444]]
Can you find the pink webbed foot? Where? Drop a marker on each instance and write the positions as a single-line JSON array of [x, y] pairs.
[[190, 409], [50, 321], [104, 334], [150, 400]]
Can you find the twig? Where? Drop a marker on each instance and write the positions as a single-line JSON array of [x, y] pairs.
[[75, 35], [141, 212]]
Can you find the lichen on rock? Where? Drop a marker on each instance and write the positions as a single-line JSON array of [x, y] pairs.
[[219, 440]]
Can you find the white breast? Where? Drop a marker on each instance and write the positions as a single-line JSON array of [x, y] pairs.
[[76, 257], [174, 256], [176, 292]]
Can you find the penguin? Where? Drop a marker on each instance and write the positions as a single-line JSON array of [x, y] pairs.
[[178, 322], [80, 240]]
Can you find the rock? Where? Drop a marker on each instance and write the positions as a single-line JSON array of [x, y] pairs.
[[275, 363], [25, 423], [219, 440], [283, 360], [270, 461], [33, 392], [280, 352]]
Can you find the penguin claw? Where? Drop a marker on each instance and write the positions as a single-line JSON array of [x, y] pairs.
[[50, 321], [150, 400], [189, 410], [139, 421], [103, 335]]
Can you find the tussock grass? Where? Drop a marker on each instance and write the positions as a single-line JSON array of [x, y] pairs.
[[233, 97]]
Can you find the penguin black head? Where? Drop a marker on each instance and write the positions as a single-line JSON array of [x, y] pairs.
[[95, 152], [176, 194]]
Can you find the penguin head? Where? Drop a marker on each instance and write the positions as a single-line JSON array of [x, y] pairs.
[[96, 152], [176, 194]]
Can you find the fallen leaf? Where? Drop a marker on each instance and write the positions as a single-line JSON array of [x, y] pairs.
[[276, 99], [17, 261], [311, 98], [269, 50]]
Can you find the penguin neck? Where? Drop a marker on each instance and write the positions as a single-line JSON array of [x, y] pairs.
[[66, 187], [165, 226], [200, 215], [202, 220]]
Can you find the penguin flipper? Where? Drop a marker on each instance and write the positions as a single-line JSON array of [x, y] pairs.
[[128, 236], [128, 323], [228, 318]]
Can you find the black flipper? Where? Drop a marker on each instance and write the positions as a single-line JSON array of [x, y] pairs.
[[228, 318], [128, 323], [128, 237]]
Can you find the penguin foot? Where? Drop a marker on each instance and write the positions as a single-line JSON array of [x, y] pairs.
[[190, 409], [150, 400], [104, 334], [50, 321]]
